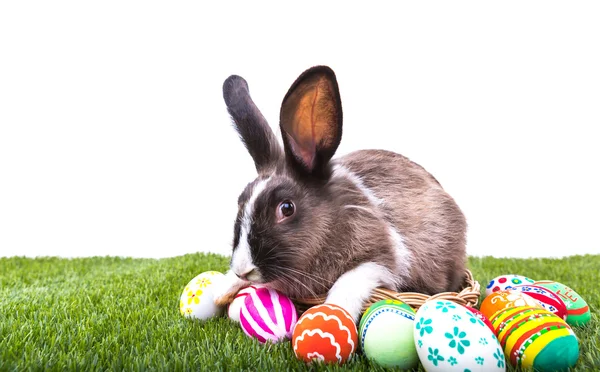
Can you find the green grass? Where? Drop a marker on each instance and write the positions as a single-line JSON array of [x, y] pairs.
[[122, 314]]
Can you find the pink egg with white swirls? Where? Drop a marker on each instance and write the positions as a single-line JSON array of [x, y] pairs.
[[233, 310], [268, 315]]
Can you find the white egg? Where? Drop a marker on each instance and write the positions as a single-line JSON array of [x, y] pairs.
[[449, 337], [197, 299], [233, 310]]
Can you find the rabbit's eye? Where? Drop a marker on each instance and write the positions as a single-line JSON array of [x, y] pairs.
[[284, 210]]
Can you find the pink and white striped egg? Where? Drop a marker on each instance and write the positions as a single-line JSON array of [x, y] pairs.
[[268, 315], [233, 310]]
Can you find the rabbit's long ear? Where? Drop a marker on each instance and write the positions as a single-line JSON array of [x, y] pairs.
[[311, 120], [251, 125]]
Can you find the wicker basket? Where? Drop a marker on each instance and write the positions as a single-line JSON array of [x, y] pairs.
[[468, 296]]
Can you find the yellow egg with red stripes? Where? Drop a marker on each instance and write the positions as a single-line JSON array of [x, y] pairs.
[[536, 338]]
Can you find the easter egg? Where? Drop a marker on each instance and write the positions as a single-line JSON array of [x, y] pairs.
[[197, 299], [325, 333], [578, 311], [502, 299], [268, 315], [503, 282], [535, 338], [549, 300], [386, 334], [449, 337], [233, 310], [481, 317]]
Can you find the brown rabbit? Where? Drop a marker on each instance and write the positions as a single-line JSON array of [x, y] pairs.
[[310, 225]]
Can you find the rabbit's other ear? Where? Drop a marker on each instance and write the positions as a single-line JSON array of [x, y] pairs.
[[251, 125], [311, 120]]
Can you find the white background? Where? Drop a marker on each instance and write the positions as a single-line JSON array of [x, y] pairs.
[[114, 138]]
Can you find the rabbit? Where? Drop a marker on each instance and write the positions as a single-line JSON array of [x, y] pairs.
[[310, 225]]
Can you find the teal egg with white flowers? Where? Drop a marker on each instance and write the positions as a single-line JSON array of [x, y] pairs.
[[449, 337]]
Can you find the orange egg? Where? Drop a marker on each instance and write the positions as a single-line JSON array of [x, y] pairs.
[[501, 300], [325, 333]]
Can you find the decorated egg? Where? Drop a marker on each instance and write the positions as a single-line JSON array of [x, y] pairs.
[[386, 334], [268, 315], [481, 317], [535, 338], [449, 337], [325, 333], [197, 300], [233, 310], [578, 312], [546, 298], [503, 282], [503, 299]]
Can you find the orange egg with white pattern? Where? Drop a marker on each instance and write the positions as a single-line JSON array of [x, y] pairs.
[[501, 300], [325, 333]]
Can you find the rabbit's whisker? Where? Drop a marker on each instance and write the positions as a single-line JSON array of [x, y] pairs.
[[296, 280], [313, 277]]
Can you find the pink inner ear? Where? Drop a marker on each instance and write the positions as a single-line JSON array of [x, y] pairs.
[[305, 155]]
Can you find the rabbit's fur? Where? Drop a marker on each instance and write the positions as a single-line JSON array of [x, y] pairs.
[[370, 218]]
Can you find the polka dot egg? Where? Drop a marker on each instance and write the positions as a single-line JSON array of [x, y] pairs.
[[506, 282], [197, 300]]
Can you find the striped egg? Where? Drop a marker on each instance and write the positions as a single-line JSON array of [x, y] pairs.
[[233, 310], [536, 338], [549, 300], [325, 333], [268, 315]]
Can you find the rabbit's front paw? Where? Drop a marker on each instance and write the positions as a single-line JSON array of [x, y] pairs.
[[354, 287], [353, 305], [226, 289]]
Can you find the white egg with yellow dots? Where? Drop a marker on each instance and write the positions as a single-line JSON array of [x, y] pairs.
[[197, 299]]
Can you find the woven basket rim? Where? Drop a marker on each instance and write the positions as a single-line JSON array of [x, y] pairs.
[[468, 296]]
